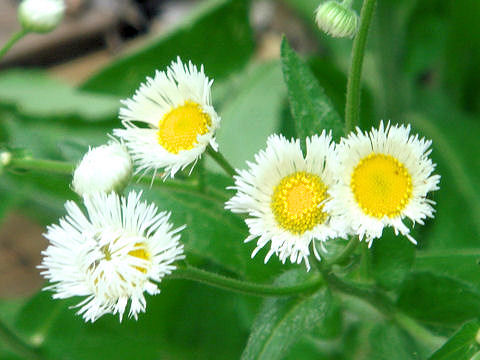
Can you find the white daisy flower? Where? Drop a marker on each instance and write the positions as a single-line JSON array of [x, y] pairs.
[[120, 250], [384, 177], [105, 168], [283, 192], [180, 122]]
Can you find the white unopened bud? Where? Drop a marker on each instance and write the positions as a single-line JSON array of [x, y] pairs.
[[105, 168], [337, 19], [40, 16], [5, 158]]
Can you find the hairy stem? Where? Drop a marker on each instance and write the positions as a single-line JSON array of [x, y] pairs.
[[352, 107], [52, 166], [249, 288], [220, 160]]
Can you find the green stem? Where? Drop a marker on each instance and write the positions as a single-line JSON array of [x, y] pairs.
[[385, 305], [17, 345], [373, 296], [201, 175], [220, 160], [53, 166], [13, 39], [418, 331], [223, 282], [346, 253], [352, 107]]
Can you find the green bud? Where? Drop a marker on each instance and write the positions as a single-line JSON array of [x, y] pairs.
[[337, 19]]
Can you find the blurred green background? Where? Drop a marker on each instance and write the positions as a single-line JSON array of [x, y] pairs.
[[421, 67]]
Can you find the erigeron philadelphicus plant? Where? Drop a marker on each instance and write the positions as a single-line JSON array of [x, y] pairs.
[[114, 248]]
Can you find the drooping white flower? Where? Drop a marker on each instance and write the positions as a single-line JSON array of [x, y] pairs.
[[179, 120], [384, 177], [283, 193], [104, 168], [40, 16], [337, 19], [120, 249]]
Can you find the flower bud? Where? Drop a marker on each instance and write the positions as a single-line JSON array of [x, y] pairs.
[[40, 16], [105, 168], [5, 158], [337, 19]]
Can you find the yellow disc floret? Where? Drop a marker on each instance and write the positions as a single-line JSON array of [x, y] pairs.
[[179, 128], [382, 185], [141, 253], [297, 202]]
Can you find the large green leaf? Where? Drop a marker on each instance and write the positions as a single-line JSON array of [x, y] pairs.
[[35, 95], [311, 108], [212, 232], [455, 149], [185, 321], [251, 108], [391, 260], [388, 342], [438, 299], [462, 345], [217, 36], [460, 264], [283, 321]]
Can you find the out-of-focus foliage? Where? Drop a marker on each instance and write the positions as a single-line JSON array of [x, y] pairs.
[[421, 67]]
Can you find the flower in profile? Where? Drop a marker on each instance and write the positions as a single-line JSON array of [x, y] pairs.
[[337, 19], [40, 16], [105, 168], [284, 193], [112, 255], [384, 177], [179, 120]]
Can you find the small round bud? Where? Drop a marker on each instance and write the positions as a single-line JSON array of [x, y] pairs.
[[40, 16], [337, 19], [5, 158], [105, 168]]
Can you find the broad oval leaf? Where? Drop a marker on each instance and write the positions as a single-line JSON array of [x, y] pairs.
[[391, 260]]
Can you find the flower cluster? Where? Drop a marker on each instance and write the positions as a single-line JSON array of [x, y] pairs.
[[295, 201], [357, 187]]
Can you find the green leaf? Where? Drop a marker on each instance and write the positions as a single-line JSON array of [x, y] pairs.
[[218, 36], [461, 346], [35, 95], [282, 322], [212, 232], [184, 321], [438, 299], [388, 342], [455, 150], [252, 114], [463, 265], [311, 108], [391, 260]]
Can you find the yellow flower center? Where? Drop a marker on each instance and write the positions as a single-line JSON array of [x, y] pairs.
[[141, 253], [382, 185], [297, 202], [179, 128]]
